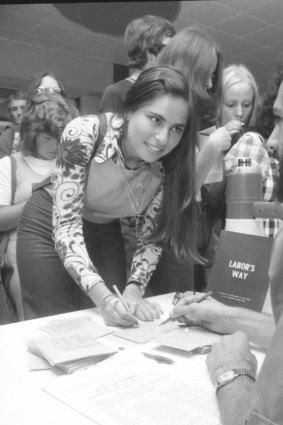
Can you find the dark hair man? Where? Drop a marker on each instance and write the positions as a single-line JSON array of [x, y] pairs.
[[144, 39]]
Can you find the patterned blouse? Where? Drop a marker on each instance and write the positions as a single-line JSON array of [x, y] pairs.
[[73, 184]]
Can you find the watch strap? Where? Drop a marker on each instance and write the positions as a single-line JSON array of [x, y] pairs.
[[236, 374]]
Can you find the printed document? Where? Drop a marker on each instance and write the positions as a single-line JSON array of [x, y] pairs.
[[128, 389]]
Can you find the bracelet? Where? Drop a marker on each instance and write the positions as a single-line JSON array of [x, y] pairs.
[[134, 282]]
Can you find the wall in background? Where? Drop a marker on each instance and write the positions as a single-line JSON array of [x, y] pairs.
[[79, 75]]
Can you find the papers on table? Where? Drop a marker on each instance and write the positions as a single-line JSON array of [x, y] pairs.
[[187, 339], [145, 332], [62, 326], [72, 344], [129, 389]]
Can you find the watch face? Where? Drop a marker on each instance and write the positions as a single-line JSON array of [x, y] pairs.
[[226, 376]]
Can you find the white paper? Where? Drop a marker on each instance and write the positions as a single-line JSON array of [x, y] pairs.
[[68, 347], [132, 390], [187, 339], [145, 332], [85, 323]]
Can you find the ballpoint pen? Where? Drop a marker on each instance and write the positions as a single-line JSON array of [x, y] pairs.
[[121, 298], [158, 358], [201, 298]]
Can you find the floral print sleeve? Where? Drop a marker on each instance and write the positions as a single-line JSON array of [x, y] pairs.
[[147, 255], [69, 179]]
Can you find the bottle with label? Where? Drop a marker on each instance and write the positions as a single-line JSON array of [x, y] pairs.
[[244, 187]]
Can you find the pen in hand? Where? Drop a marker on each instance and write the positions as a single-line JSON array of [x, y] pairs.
[[121, 298], [201, 298], [124, 302]]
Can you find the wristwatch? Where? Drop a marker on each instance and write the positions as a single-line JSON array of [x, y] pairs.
[[229, 376]]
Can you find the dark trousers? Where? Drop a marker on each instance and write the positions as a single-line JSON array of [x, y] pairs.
[[47, 287]]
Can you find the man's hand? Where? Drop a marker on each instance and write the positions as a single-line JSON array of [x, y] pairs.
[[232, 352], [208, 314]]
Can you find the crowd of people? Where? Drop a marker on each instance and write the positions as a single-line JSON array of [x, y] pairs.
[[126, 197]]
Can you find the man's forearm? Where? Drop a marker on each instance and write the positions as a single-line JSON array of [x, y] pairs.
[[259, 327], [234, 401]]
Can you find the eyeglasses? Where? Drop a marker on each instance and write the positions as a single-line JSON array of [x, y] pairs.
[[48, 90]]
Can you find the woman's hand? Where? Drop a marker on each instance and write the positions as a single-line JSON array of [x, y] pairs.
[[144, 310], [234, 126], [115, 314], [147, 311], [220, 139]]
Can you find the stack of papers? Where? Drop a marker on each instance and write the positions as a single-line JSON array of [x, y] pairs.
[[69, 350]]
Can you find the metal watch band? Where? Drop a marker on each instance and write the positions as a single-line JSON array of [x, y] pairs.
[[236, 374]]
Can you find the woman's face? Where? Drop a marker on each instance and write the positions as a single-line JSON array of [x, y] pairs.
[[49, 83], [238, 103], [155, 129], [46, 146]]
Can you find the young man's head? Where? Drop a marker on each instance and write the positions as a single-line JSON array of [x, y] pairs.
[[17, 104], [144, 39]]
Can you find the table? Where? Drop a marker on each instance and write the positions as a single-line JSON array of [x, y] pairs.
[[22, 401]]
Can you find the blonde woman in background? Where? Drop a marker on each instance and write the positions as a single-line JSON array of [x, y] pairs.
[[241, 103]]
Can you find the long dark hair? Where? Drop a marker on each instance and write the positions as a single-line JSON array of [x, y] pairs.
[[176, 221], [191, 51]]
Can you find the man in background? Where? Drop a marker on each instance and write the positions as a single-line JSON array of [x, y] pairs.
[[9, 138], [144, 39]]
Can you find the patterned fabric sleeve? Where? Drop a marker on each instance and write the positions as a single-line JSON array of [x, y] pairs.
[[69, 179], [147, 255]]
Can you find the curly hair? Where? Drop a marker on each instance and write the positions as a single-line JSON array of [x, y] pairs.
[[145, 35], [44, 114], [36, 81]]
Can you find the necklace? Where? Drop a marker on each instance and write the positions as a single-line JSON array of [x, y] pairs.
[[135, 202]]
